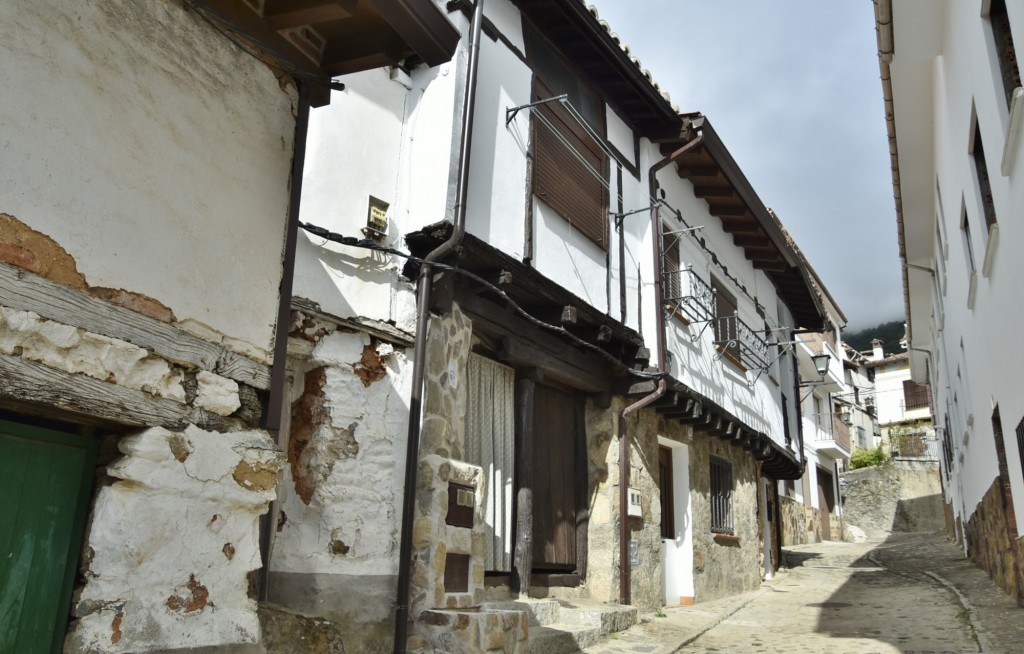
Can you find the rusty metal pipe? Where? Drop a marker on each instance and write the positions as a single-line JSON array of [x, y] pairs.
[[625, 572]]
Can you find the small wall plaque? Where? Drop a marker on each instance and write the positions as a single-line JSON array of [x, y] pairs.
[[461, 502]]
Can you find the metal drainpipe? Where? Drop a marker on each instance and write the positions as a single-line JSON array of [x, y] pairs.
[[273, 418], [423, 288], [625, 572]]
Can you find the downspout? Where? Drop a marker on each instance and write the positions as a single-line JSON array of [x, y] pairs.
[[423, 288], [625, 572], [273, 417]]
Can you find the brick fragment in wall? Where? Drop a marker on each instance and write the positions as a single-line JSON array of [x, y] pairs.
[[315, 443], [24, 247], [193, 596], [217, 394], [371, 366], [136, 302], [308, 328]]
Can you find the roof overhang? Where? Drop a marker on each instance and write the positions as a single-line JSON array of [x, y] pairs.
[[586, 41], [327, 38], [909, 37], [718, 179], [688, 407]]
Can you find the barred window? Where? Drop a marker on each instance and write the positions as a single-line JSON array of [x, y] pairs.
[[915, 396], [721, 496], [1000, 25]]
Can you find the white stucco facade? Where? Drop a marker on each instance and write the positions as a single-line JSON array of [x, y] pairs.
[[963, 277]]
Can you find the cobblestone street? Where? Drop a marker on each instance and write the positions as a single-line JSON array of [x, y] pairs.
[[912, 594]]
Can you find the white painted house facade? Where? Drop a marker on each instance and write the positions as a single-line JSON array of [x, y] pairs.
[[954, 100], [538, 270]]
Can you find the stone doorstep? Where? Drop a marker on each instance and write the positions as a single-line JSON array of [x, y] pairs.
[[607, 618], [562, 638]]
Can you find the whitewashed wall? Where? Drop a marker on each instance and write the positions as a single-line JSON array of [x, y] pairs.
[[155, 152], [937, 78]]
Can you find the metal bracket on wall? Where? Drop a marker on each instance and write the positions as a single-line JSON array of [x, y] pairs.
[[511, 112]]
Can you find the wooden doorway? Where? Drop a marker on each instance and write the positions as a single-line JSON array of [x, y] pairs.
[[45, 480], [826, 502], [557, 480]]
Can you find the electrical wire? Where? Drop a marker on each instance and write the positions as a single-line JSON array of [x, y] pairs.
[[371, 245]]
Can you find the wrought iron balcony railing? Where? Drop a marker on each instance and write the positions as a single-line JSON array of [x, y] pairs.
[[737, 340], [689, 296]]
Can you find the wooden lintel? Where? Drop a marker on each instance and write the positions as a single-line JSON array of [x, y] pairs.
[[25, 291], [565, 369], [27, 381]]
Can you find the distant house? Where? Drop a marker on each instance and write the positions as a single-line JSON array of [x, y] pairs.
[[903, 407], [148, 206], [953, 97], [539, 347], [859, 404], [811, 507]]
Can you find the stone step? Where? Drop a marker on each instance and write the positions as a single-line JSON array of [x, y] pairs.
[[542, 612], [562, 638], [607, 618]]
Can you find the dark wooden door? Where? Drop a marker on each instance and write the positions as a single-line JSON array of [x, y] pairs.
[[44, 485], [555, 480], [826, 502]]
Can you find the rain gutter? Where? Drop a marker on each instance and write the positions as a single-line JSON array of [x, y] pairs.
[[625, 571], [423, 289]]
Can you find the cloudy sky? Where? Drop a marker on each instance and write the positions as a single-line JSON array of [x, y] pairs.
[[792, 88]]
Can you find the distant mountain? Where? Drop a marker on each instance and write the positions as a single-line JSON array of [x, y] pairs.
[[889, 333]]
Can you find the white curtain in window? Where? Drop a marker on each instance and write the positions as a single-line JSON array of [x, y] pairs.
[[490, 444]]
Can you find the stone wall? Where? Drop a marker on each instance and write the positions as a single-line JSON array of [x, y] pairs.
[[602, 581], [896, 496], [335, 548], [994, 548], [801, 524], [725, 565]]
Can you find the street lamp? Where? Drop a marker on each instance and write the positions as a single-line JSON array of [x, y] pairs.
[[821, 363]]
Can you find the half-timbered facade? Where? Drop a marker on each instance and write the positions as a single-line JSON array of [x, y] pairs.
[[541, 345]]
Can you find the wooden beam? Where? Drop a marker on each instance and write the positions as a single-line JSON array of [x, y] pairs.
[[751, 239], [522, 563], [25, 291], [704, 191], [697, 171], [727, 209], [518, 352], [745, 225], [370, 49], [27, 381], [283, 14]]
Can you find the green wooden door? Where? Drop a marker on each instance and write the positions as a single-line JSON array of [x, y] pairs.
[[45, 477]]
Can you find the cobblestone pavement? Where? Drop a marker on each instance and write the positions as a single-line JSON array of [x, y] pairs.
[[911, 594]]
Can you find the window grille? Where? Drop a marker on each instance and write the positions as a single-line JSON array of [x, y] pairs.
[[721, 496], [915, 396]]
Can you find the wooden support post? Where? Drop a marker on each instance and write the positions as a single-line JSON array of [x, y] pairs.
[[523, 559]]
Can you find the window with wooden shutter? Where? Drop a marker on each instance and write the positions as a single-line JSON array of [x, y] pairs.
[[726, 323], [569, 165]]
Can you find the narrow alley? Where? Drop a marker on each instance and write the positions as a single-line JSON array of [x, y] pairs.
[[911, 593]]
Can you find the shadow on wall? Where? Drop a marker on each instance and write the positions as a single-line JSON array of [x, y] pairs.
[[919, 514]]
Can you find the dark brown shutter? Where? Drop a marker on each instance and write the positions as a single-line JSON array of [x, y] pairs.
[[559, 178]]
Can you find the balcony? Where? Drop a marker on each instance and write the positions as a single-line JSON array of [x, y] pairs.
[[740, 343], [687, 296], [832, 437]]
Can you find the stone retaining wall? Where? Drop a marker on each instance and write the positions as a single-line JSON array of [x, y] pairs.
[[896, 496], [994, 548]]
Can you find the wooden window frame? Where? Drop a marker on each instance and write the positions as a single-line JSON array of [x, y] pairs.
[[723, 334]]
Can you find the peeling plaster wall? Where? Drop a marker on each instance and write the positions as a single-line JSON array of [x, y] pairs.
[[172, 542], [335, 551], [152, 150]]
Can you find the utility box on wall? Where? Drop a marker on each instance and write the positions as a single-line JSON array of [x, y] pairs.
[[635, 509]]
